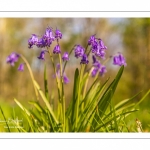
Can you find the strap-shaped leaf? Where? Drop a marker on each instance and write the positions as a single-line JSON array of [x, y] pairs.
[[75, 103], [101, 104], [46, 83], [46, 102], [107, 96], [91, 106], [111, 119]]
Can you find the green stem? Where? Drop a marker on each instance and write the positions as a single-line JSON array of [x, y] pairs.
[[96, 77], [86, 48], [58, 87], [107, 60], [86, 83], [31, 75], [67, 61], [46, 83], [62, 90]]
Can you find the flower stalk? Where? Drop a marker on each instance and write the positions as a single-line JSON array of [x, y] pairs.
[[62, 92], [31, 75]]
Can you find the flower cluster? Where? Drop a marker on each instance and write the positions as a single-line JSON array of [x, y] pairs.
[[80, 52], [45, 41], [98, 49]]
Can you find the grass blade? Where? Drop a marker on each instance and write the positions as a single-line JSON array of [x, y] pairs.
[[46, 102], [5, 119], [46, 83], [75, 102]]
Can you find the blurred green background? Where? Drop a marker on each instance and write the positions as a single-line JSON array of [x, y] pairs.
[[131, 36]]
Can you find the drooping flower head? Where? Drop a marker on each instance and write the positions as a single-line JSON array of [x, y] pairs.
[[100, 53], [84, 59], [119, 60], [98, 48], [96, 63], [65, 56], [58, 34], [102, 70], [94, 47], [92, 40], [21, 67], [42, 55], [66, 79], [57, 49], [98, 67], [101, 44], [41, 43], [49, 34], [32, 41], [94, 71], [79, 51], [12, 58], [48, 37]]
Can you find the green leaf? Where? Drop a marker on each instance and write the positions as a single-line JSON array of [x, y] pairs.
[[111, 119], [142, 98], [37, 106], [4, 119], [125, 102], [75, 102], [85, 77], [46, 102], [24, 109], [107, 96], [46, 83], [27, 114], [91, 106]]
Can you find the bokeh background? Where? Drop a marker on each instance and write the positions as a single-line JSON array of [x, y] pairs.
[[131, 36]]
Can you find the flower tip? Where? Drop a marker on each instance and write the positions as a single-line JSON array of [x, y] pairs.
[[57, 49], [12, 58], [58, 34], [119, 60], [65, 57], [66, 79], [42, 55], [21, 67], [84, 59]]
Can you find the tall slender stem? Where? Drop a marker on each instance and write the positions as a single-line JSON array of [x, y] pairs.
[[86, 83], [31, 75], [62, 92], [67, 61], [58, 87]]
